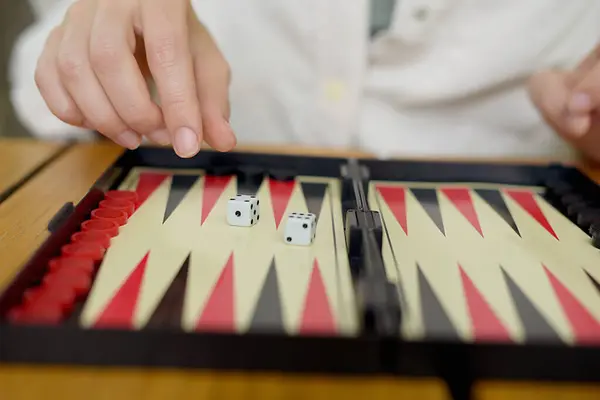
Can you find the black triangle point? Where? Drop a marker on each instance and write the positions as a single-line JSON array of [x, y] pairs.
[[536, 327], [428, 198], [594, 281], [180, 186], [268, 314], [314, 193], [249, 179], [169, 311], [494, 199], [436, 321]]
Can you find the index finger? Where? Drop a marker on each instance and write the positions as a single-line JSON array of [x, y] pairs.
[[549, 92], [589, 62], [170, 63], [585, 96]]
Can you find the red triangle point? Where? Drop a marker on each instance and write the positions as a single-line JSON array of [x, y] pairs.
[[395, 197], [281, 192], [317, 317], [585, 327], [462, 200], [219, 313], [486, 325], [214, 186], [119, 311], [148, 182], [526, 200]]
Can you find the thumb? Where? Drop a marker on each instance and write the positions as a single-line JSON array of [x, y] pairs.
[[550, 93], [585, 96]]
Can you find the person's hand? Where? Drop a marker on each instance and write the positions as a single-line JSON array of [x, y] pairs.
[[569, 102], [94, 68]]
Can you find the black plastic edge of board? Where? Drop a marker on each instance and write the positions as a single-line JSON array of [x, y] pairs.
[[154, 348], [73, 345], [441, 171], [157, 157], [453, 362]]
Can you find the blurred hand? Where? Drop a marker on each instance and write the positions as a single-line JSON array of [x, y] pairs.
[[94, 68], [569, 101]]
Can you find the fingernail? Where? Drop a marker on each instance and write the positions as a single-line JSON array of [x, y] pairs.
[[160, 136], [580, 102], [578, 126], [186, 142], [128, 139]]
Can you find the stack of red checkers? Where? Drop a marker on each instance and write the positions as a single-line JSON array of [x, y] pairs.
[[111, 228], [71, 274], [67, 280], [120, 200], [69, 277], [87, 250], [98, 237], [109, 214], [125, 195]]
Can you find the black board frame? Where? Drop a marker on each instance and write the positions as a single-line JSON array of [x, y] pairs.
[[458, 363]]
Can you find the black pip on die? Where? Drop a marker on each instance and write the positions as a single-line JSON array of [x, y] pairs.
[[243, 210], [300, 229]]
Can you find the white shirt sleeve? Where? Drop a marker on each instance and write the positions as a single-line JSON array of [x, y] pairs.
[[30, 108]]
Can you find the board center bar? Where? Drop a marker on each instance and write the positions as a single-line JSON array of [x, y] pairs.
[[381, 308]]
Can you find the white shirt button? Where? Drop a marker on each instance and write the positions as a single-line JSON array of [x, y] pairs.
[[334, 90]]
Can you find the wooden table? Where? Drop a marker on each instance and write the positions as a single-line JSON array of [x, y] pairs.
[[41, 177]]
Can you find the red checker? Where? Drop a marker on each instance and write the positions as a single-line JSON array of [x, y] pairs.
[[85, 265], [31, 294], [110, 228], [92, 251], [98, 237], [60, 298], [109, 214], [127, 195], [40, 313], [66, 280], [15, 314], [121, 205]]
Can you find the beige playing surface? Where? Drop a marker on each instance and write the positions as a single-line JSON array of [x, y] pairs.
[[522, 257], [211, 244]]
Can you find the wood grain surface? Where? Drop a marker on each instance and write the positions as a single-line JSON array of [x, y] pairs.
[[24, 216], [19, 157], [23, 219], [99, 384]]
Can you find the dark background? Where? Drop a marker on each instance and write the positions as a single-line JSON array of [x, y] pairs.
[[16, 15]]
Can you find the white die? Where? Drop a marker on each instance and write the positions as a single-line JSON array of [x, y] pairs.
[[243, 210], [300, 229]]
